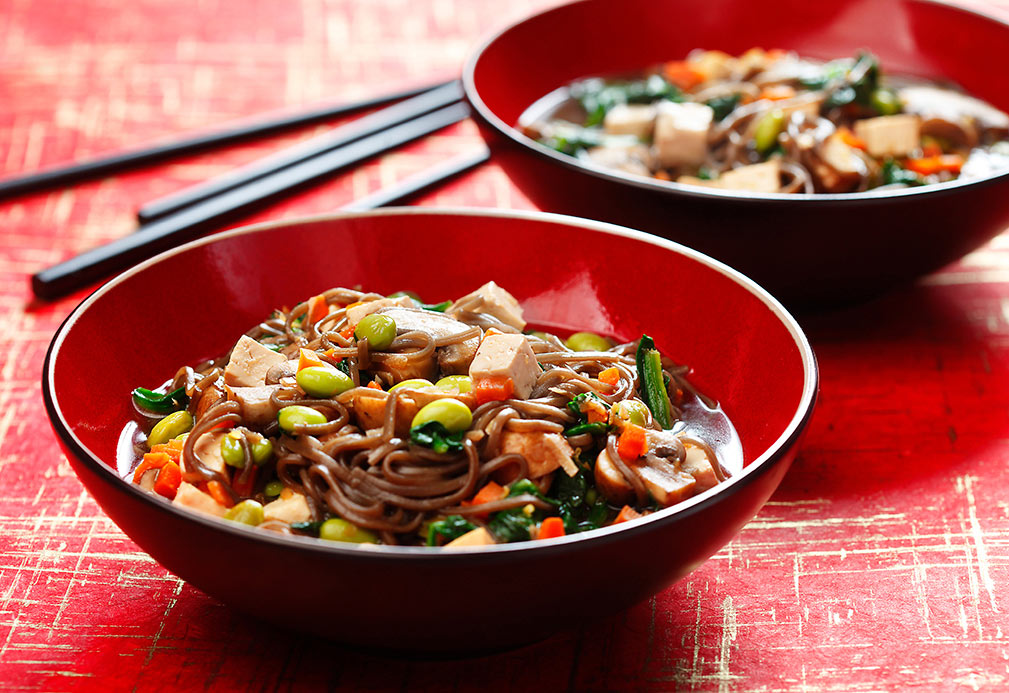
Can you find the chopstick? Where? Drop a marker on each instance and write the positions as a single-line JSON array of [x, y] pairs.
[[92, 168], [380, 120], [173, 229], [420, 182]]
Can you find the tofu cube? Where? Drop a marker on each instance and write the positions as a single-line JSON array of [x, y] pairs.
[[208, 449], [492, 300], [356, 313], [895, 135], [249, 363], [257, 407], [507, 356], [681, 133], [544, 452], [188, 496], [475, 537], [764, 177], [633, 160], [292, 509], [630, 119]]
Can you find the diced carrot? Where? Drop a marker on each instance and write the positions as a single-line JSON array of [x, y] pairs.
[[777, 92], [610, 376], [168, 481], [851, 139], [682, 74], [662, 174], [929, 165], [244, 488], [374, 385], [173, 451], [492, 491], [152, 460], [317, 309], [494, 389], [488, 332], [217, 492], [551, 528], [632, 443], [308, 358], [626, 513], [347, 332]]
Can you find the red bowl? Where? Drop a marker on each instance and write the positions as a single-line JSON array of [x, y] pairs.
[[808, 250], [570, 274]]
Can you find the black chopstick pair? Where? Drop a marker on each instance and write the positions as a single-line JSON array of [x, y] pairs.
[[195, 210]]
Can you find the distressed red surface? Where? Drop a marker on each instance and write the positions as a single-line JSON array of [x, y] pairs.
[[882, 561]]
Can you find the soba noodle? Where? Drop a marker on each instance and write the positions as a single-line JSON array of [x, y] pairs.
[[572, 438]]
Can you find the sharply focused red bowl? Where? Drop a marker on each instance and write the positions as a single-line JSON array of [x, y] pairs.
[[570, 274], [808, 250]]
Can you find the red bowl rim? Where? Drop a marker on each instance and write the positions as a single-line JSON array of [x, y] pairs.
[[759, 466], [694, 191]]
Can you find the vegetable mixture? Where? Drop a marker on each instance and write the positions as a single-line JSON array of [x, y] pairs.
[[770, 121], [364, 418]]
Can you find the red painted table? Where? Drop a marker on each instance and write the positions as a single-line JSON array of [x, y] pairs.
[[882, 561]]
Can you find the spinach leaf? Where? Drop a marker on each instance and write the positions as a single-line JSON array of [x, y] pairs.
[[436, 307], [434, 435], [723, 105], [452, 527], [511, 525], [597, 429], [310, 528], [597, 96], [894, 173]]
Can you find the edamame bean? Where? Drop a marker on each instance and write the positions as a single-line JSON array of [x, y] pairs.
[[459, 383], [248, 512], [337, 529], [262, 451], [587, 341], [273, 488], [169, 427], [450, 413], [768, 127], [633, 410], [411, 384], [323, 381], [296, 415], [378, 329], [233, 455], [231, 449], [885, 101]]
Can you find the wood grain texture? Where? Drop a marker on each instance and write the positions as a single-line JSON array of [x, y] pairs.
[[882, 561]]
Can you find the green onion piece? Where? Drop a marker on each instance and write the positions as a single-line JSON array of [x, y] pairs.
[[161, 403], [653, 385]]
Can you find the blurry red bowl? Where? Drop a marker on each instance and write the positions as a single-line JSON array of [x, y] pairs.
[[808, 250], [569, 274]]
